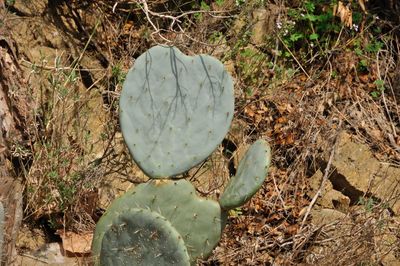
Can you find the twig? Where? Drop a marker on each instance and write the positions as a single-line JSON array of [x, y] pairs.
[[383, 96], [35, 258], [279, 194], [175, 20], [294, 57], [324, 179]]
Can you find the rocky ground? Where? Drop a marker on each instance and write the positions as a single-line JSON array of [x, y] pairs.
[[333, 192]]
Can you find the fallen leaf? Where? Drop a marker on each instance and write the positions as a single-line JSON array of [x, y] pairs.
[[344, 13], [282, 120], [292, 229], [362, 5], [303, 78], [364, 78], [248, 111]]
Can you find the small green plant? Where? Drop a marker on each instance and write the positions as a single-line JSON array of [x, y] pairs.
[[380, 88], [313, 29], [236, 212], [117, 75], [240, 2], [219, 2], [368, 203], [174, 112], [366, 52], [310, 26], [250, 65], [203, 7]]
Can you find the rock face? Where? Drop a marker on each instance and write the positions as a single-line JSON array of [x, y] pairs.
[[330, 198], [357, 183], [30, 8], [264, 23], [357, 176]]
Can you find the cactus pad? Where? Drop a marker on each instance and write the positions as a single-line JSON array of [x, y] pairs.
[[142, 237], [197, 220], [251, 173], [174, 110]]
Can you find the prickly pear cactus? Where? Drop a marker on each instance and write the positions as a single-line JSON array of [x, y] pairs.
[[251, 173], [199, 221], [142, 237], [174, 110], [2, 217]]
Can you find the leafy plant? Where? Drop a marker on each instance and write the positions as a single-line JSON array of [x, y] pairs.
[[313, 28], [368, 203], [309, 26], [380, 87]]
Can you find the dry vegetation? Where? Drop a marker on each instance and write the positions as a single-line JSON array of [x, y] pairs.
[[299, 85]]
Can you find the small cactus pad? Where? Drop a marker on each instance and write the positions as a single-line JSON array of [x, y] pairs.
[[174, 110], [142, 237], [197, 220], [251, 173]]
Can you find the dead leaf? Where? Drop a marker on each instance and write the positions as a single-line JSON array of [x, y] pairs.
[[293, 86], [127, 27], [285, 107], [362, 5], [76, 243], [248, 111], [364, 78], [289, 139], [292, 229], [282, 120], [344, 13], [303, 78]]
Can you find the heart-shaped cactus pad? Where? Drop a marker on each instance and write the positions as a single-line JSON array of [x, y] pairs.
[[175, 110]]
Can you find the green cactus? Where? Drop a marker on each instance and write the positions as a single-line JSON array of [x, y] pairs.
[[199, 221], [2, 221], [251, 173], [142, 237], [174, 111], [171, 103]]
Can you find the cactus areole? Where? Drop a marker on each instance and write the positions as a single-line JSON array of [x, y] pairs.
[[174, 110]]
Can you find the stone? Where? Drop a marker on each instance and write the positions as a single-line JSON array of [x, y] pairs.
[[358, 173], [325, 216], [264, 23], [30, 8], [329, 198], [49, 254]]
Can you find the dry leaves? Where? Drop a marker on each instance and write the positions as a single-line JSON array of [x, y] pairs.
[[76, 244], [344, 13]]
